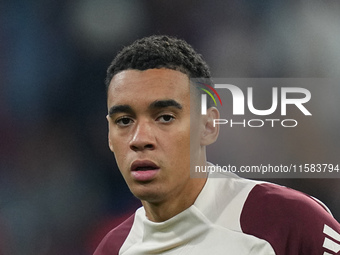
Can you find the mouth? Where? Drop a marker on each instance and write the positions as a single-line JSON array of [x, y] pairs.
[[144, 170]]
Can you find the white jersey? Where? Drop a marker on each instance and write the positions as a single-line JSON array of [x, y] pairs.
[[233, 216]]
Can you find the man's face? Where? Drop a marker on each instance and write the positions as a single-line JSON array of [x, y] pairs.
[[149, 132]]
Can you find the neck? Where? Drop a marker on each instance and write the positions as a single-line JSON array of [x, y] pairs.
[[164, 210]]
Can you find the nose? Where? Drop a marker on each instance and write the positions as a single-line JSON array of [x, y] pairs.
[[143, 138]]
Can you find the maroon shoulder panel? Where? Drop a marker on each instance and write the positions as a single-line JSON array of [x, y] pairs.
[[114, 240], [291, 221]]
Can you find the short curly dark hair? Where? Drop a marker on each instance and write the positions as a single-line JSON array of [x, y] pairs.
[[159, 51]]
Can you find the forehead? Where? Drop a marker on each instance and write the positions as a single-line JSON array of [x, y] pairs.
[[134, 86]]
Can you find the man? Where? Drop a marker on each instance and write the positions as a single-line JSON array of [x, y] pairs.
[[156, 132]]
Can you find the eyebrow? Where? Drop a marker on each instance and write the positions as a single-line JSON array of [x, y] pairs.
[[154, 105], [165, 103], [119, 109]]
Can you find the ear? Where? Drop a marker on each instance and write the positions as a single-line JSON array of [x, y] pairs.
[[108, 135], [210, 131]]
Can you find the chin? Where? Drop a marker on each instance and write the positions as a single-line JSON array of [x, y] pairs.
[[148, 194]]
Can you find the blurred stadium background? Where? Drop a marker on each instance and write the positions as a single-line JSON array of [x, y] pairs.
[[60, 190]]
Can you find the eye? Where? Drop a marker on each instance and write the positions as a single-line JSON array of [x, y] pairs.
[[166, 118], [123, 121]]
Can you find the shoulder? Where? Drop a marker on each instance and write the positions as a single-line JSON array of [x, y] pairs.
[[291, 221], [114, 240]]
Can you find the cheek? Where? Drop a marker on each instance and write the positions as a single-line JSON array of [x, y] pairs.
[[119, 148], [118, 143], [181, 146], [195, 133]]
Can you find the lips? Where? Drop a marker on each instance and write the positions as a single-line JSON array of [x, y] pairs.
[[143, 165], [144, 170]]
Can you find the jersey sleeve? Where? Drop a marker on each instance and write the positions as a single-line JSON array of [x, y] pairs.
[[114, 240], [292, 222]]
